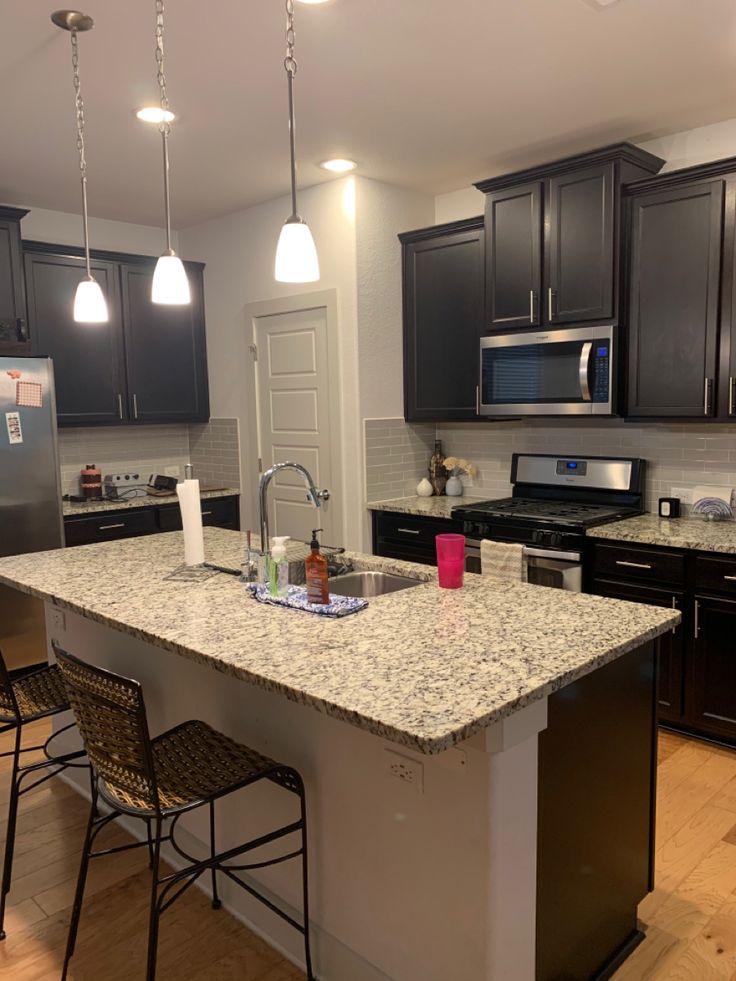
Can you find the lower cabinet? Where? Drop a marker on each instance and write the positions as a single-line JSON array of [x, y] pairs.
[[697, 665], [107, 526], [409, 537]]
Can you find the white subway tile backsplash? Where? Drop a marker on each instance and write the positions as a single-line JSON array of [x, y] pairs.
[[396, 456]]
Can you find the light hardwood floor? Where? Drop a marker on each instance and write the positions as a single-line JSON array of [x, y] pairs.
[[690, 918]]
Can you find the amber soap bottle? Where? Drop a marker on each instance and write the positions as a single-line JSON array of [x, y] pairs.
[[316, 573]]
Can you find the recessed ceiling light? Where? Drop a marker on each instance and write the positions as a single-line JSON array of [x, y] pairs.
[[155, 114], [313, 1], [600, 3], [339, 165]]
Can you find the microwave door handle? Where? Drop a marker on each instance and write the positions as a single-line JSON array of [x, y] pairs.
[[585, 370]]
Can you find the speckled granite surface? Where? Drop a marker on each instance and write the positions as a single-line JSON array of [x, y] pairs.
[[69, 509], [428, 507], [693, 533], [424, 667]]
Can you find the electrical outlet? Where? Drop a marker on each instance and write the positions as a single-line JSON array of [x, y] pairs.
[[57, 618], [171, 471], [409, 771], [684, 493]]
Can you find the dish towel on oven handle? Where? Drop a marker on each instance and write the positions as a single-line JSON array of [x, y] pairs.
[[503, 560]]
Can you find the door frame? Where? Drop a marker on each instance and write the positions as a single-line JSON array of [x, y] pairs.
[[250, 432]]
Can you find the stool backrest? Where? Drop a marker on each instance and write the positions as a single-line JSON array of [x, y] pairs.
[[9, 710], [111, 717]]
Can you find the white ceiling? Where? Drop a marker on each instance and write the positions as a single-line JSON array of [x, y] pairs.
[[430, 94]]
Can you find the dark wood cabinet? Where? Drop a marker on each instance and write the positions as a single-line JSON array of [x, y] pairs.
[[165, 350], [713, 679], [580, 246], [675, 284], [88, 358], [443, 320], [670, 651], [14, 335], [408, 536], [514, 220], [148, 363]]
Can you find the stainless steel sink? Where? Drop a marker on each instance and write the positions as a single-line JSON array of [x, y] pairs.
[[367, 584]]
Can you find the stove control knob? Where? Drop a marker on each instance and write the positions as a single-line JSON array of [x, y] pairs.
[[468, 527], [555, 538], [536, 537]]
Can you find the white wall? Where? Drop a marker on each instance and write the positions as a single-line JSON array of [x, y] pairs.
[[684, 149], [64, 228]]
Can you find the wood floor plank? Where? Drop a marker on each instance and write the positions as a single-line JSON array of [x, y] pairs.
[[679, 801]]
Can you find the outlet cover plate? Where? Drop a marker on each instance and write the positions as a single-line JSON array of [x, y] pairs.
[[684, 493], [406, 770]]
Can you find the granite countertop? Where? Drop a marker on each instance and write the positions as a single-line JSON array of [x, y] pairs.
[[692, 533], [99, 507], [428, 507], [424, 667]]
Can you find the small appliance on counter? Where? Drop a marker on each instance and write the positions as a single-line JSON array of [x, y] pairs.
[[669, 507], [161, 486], [90, 482]]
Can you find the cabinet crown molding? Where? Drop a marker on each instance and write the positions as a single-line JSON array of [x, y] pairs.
[[622, 152], [464, 224], [77, 252], [726, 167], [12, 214]]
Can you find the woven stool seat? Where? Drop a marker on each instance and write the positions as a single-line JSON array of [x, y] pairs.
[[37, 694], [193, 763]]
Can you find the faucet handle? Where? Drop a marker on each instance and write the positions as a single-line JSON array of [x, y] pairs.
[[316, 499]]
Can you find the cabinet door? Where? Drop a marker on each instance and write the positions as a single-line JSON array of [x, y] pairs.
[[88, 358], [580, 246], [165, 350], [514, 257], [671, 645], [14, 338], [713, 694], [443, 319], [674, 291]]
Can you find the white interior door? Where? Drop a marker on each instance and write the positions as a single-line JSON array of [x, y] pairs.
[[294, 418]]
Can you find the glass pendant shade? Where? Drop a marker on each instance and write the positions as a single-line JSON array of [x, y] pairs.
[[296, 254], [89, 303], [170, 283]]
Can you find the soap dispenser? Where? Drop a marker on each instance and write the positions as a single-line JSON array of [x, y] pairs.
[[318, 590], [279, 572]]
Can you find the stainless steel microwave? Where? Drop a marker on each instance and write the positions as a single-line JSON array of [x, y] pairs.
[[548, 373]]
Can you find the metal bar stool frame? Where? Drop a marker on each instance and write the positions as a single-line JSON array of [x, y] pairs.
[[35, 695], [132, 787]]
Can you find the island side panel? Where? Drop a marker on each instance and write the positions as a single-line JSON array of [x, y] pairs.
[[597, 787]]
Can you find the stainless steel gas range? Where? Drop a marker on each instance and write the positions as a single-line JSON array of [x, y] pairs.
[[554, 499]]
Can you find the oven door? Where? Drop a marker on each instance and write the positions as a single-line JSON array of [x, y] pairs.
[[545, 567], [560, 372]]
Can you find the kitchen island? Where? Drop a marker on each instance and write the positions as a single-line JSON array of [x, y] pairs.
[[520, 843]]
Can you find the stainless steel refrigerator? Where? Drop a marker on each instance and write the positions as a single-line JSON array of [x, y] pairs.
[[30, 495]]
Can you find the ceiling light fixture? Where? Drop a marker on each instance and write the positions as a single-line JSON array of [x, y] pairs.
[[170, 284], [89, 301], [296, 254], [155, 114], [340, 165]]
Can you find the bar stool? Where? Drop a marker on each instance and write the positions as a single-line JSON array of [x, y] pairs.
[[184, 768], [36, 695]]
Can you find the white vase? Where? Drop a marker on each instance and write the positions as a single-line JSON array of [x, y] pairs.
[[424, 488], [454, 487]]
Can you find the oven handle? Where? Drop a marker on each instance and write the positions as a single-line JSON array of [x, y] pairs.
[[472, 550], [584, 370]]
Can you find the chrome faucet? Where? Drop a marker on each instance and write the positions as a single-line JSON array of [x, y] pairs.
[[313, 495]]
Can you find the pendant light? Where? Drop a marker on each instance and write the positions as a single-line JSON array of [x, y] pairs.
[[170, 284], [89, 301], [296, 255]]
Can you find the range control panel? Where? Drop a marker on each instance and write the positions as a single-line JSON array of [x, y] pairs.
[[572, 468]]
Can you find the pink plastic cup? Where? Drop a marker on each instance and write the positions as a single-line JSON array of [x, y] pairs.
[[450, 560]]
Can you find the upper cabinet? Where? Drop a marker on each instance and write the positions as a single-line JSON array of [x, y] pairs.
[[675, 287], [443, 320], [148, 363], [552, 239], [14, 337]]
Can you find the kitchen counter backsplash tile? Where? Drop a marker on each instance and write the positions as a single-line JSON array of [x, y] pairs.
[[424, 667], [676, 455], [214, 449], [691, 533], [396, 456], [69, 508]]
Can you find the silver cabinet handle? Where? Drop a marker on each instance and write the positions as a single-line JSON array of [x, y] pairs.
[[731, 384], [135, 406], [121, 524], [20, 330], [409, 531], [584, 369], [697, 618], [120, 406], [532, 301], [707, 392], [551, 294], [477, 400], [633, 565], [205, 513], [674, 607], [730, 578]]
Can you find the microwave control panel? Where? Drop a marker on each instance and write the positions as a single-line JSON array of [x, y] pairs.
[[601, 373]]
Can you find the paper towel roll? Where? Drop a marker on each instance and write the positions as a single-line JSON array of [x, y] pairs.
[[191, 519]]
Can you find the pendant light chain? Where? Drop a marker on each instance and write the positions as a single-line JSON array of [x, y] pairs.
[[165, 127], [291, 67], [79, 104]]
